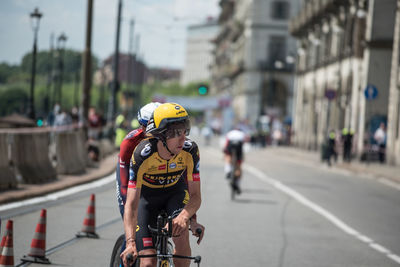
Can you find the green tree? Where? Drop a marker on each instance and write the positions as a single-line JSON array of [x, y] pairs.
[[7, 71], [15, 99], [72, 61]]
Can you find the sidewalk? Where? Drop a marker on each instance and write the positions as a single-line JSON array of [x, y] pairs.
[[373, 169], [25, 191]]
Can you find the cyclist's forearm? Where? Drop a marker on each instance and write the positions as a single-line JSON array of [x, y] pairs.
[[192, 206], [130, 214], [130, 222]]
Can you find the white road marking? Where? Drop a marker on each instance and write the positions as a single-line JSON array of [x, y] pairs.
[[59, 194], [388, 182], [318, 209]]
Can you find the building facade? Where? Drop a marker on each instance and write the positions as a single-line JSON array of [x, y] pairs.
[[254, 58], [198, 56], [346, 73]]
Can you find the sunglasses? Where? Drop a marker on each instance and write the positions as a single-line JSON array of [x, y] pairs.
[[172, 133]]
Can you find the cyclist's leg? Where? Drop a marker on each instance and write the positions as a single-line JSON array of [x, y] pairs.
[[147, 215], [228, 165], [120, 196], [176, 202], [182, 247]]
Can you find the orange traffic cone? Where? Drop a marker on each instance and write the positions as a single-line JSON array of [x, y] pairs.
[[89, 223], [37, 253], [3, 240], [7, 252], [8, 229]]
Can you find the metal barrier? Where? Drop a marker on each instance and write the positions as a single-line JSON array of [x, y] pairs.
[[30, 153], [7, 176], [70, 151]]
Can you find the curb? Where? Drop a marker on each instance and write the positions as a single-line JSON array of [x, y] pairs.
[[25, 191]]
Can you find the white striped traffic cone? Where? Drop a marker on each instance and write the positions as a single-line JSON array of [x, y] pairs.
[[7, 252], [89, 223], [37, 253]]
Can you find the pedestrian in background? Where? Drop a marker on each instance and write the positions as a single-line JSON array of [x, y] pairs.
[[95, 124], [380, 138], [331, 147], [347, 139]]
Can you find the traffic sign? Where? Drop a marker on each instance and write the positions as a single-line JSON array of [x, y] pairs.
[[330, 94], [370, 92]]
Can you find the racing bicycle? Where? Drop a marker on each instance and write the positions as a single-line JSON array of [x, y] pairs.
[[235, 172], [163, 245]]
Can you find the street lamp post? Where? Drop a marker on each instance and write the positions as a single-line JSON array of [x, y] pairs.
[[61, 40], [115, 84], [35, 19]]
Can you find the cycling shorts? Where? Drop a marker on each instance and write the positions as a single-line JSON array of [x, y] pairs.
[[172, 200], [235, 147]]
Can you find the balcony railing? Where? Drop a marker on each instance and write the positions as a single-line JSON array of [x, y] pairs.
[[312, 12]]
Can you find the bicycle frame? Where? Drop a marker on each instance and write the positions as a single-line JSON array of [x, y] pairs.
[[164, 257], [235, 169]]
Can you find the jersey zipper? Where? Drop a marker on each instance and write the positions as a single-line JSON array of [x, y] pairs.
[[166, 176]]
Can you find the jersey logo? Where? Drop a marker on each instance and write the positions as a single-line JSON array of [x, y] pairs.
[[172, 165], [196, 177], [146, 150], [131, 134], [162, 167], [187, 144], [147, 242], [132, 184], [187, 197]]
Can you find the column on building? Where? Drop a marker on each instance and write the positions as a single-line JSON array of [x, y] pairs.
[[393, 125], [377, 63]]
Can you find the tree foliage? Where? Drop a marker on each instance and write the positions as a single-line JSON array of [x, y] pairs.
[[47, 61], [7, 71], [169, 89], [13, 100]]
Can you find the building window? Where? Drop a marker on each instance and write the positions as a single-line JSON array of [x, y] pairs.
[[280, 10], [277, 49]]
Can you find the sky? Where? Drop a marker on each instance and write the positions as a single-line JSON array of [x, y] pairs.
[[161, 24]]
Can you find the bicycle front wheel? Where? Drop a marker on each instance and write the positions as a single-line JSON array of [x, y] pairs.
[[167, 262], [115, 258]]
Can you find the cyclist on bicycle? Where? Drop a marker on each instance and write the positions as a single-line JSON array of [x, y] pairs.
[[164, 175], [234, 142], [129, 143], [127, 147]]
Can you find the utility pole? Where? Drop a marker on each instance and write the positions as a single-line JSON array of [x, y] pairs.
[[47, 103], [87, 66], [141, 71], [115, 84], [130, 53]]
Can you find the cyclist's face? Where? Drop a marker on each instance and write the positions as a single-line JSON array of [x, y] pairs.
[[176, 139]]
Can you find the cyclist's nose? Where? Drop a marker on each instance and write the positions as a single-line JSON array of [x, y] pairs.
[[182, 136]]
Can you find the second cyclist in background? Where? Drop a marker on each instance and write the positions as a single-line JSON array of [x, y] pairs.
[[234, 144]]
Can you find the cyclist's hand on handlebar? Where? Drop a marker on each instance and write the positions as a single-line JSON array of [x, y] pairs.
[[179, 224], [129, 255], [197, 230]]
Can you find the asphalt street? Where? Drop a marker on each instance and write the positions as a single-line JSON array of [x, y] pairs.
[[289, 214]]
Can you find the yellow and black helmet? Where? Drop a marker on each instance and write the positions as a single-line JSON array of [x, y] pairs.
[[166, 115]]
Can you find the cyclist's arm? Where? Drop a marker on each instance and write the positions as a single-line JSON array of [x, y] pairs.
[[131, 210], [182, 220], [130, 222]]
